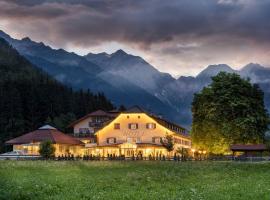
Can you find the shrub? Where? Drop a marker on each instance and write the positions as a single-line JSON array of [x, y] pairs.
[[46, 149]]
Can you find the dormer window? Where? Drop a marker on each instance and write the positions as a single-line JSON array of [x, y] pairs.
[[133, 126]]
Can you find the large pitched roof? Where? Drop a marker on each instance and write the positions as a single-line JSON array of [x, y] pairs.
[[172, 126], [163, 122], [45, 133]]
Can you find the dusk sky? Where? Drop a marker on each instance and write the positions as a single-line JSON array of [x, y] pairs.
[[180, 37]]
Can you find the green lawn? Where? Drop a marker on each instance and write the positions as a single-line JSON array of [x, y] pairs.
[[133, 180]]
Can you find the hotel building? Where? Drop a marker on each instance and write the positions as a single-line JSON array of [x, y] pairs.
[[130, 133]]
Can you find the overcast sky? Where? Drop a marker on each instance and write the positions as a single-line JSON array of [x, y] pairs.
[[177, 36]]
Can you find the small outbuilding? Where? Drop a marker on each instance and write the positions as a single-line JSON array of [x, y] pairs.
[[249, 150]]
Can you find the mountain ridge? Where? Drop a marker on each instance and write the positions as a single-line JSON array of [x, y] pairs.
[[78, 72], [30, 97], [129, 79]]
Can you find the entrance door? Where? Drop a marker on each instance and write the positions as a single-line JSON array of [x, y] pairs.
[[128, 149]]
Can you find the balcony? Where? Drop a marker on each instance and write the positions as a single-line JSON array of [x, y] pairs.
[[96, 124]]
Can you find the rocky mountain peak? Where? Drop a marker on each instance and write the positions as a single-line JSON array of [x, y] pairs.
[[250, 67], [119, 52], [213, 70]]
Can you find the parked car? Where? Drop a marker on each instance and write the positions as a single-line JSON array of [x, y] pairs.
[[16, 155]]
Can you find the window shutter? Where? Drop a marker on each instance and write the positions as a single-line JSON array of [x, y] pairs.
[[129, 126], [107, 140], [137, 126], [114, 140]]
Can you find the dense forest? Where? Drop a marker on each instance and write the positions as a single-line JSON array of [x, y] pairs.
[[29, 97]]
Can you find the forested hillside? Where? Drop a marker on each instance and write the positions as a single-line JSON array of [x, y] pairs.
[[29, 97]]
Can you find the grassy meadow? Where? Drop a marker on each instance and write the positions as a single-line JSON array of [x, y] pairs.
[[133, 180]]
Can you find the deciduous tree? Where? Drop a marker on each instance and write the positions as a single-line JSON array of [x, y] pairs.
[[230, 110], [168, 142]]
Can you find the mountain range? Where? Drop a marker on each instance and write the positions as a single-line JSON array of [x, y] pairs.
[[127, 79]]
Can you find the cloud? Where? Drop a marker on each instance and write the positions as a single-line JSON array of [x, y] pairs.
[[181, 28], [144, 22]]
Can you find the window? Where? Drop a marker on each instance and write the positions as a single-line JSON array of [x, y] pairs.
[[133, 126], [150, 125], [116, 126], [61, 149], [84, 130], [133, 140], [185, 142], [156, 140], [97, 119], [91, 130], [111, 140], [176, 140], [129, 140], [139, 117]]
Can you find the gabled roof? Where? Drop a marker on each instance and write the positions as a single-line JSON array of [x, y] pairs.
[[172, 126], [165, 123], [248, 147], [98, 113], [45, 133]]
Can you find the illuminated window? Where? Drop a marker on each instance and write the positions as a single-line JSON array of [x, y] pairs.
[[133, 140], [150, 125], [133, 126], [156, 140], [111, 140], [116, 126], [129, 140], [61, 148]]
